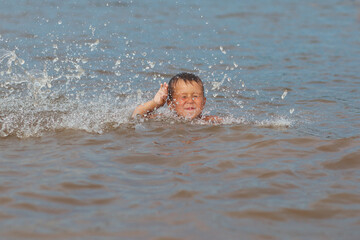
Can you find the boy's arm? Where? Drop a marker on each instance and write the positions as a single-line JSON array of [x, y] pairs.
[[158, 101]]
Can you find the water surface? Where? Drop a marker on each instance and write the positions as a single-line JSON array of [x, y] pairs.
[[283, 165]]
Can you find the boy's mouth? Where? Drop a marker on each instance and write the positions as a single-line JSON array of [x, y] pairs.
[[190, 108]]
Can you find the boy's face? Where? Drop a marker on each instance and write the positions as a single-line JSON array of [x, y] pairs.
[[188, 99]]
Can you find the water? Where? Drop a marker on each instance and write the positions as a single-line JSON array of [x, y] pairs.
[[284, 164]]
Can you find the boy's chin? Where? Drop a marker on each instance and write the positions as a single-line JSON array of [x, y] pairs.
[[191, 116], [187, 116]]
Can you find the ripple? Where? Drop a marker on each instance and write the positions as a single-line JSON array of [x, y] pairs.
[[69, 200], [349, 161], [285, 214], [80, 185], [256, 214], [35, 208], [184, 194], [340, 198]]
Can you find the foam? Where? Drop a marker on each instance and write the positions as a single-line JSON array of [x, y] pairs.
[[278, 122], [34, 102]]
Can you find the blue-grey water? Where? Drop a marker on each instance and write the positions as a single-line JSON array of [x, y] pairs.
[[284, 76]]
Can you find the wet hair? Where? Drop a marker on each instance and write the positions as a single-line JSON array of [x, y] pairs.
[[187, 78]]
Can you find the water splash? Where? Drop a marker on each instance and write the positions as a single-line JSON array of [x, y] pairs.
[[69, 93], [277, 122], [33, 103]]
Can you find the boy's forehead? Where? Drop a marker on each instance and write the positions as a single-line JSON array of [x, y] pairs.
[[181, 85]]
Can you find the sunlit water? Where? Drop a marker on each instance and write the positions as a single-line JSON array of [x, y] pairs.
[[284, 164]]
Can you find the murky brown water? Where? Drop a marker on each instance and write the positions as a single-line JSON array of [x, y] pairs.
[[285, 163], [175, 182]]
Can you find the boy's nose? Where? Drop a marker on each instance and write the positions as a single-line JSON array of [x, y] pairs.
[[191, 99]]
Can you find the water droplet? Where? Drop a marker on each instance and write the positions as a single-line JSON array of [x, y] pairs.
[[21, 61], [284, 94], [118, 62], [222, 50], [151, 64]]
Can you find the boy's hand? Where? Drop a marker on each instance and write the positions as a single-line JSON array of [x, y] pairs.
[[161, 95]]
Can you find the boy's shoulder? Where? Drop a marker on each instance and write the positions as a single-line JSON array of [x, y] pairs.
[[209, 118], [212, 119]]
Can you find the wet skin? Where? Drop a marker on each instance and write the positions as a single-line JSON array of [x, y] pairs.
[[188, 100]]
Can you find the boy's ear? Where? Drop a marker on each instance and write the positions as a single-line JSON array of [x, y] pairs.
[[204, 101], [169, 103]]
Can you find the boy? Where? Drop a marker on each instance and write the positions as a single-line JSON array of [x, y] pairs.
[[184, 95]]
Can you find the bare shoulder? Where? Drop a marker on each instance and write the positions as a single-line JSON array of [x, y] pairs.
[[149, 115], [212, 119]]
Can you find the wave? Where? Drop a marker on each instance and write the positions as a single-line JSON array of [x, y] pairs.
[[34, 102]]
